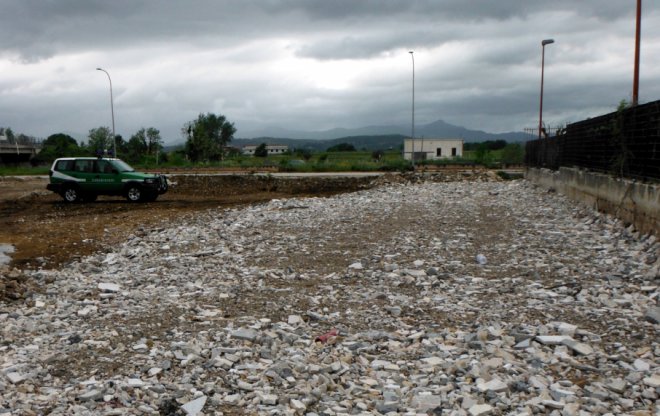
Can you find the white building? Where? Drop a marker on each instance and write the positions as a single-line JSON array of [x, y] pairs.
[[273, 149], [432, 149]]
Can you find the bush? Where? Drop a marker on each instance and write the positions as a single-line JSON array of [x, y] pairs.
[[513, 154], [396, 165], [377, 155], [306, 154]]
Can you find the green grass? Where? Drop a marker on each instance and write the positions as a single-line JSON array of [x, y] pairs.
[[360, 161], [321, 162], [472, 154], [23, 171]]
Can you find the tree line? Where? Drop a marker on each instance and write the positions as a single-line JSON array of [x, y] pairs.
[[146, 142], [206, 137], [13, 138]]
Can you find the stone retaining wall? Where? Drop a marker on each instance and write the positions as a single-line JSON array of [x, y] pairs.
[[633, 202]]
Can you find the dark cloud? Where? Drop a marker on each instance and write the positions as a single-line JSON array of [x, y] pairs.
[[315, 63], [38, 29]]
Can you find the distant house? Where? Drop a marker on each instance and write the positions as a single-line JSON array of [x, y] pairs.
[[432, 149], [231, 150], [273, 149]]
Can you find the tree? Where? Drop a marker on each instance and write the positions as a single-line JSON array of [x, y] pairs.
[[342, 147], [60, 142], [513, 154], [58, 145], [100, 140], [207, 136], [154, 141], [136, 146], [122, 145], [143, 142], [488, 145], [483, 155], [261, 150]]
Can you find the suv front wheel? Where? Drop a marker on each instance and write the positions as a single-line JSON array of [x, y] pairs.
[[134, 193]]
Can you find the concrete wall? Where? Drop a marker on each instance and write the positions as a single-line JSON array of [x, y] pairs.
[[632, 202]]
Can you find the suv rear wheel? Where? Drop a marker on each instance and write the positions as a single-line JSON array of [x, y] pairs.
[[71, 194], [134, 193]]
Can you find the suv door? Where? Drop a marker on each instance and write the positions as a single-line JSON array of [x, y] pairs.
[[83, 169], [106, 178]]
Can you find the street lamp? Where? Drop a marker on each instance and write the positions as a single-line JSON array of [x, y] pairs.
[[638, 28], [543, 43], [412, 55], [112, 111]]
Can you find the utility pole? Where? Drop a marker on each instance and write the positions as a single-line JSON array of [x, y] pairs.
[[543, 43]]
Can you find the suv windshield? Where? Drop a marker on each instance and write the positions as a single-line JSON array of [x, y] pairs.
[[122, 166]]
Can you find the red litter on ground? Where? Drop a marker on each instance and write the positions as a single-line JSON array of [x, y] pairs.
[[325, 337]]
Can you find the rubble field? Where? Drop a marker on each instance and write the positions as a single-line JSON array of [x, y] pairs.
[[437, 296]]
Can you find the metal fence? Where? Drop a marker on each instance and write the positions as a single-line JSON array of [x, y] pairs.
[[547, 131], [624, 143]]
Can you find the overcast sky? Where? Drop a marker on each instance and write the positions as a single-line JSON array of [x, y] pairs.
[[317, 64]]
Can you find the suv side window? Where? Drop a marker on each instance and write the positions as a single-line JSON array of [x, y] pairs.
[[103, 166], [64, 165], [84, 165]]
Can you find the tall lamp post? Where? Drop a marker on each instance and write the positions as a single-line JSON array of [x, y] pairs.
[[543, 43], [112, 111], [412, 55], [638, 29]]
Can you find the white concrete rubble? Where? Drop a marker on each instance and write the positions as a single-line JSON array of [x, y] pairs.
[[375, 302]]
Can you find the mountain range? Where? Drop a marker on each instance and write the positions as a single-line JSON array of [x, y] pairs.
[[436, 129], [364, 138], [370, 137]]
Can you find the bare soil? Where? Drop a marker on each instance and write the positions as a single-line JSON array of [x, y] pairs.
[[47, 232]]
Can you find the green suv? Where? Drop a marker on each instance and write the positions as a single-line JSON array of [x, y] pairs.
[[79, 179]]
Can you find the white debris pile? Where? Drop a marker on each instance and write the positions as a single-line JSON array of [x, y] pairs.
[[433, 298]]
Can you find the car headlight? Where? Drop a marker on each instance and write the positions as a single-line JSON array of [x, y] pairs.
[[150, 180]]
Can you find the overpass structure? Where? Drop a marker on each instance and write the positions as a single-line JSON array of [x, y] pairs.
[[17, 153]]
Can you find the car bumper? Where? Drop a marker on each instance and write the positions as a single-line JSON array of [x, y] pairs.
[[55, 187], [159, 185]]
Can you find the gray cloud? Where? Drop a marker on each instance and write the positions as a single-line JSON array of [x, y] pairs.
[[315, 64]]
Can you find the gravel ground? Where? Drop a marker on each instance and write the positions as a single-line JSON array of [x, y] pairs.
[[459, 298]]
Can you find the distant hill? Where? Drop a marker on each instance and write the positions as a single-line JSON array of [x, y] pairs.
[[437, 129], [369, 138], [384, 142]]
